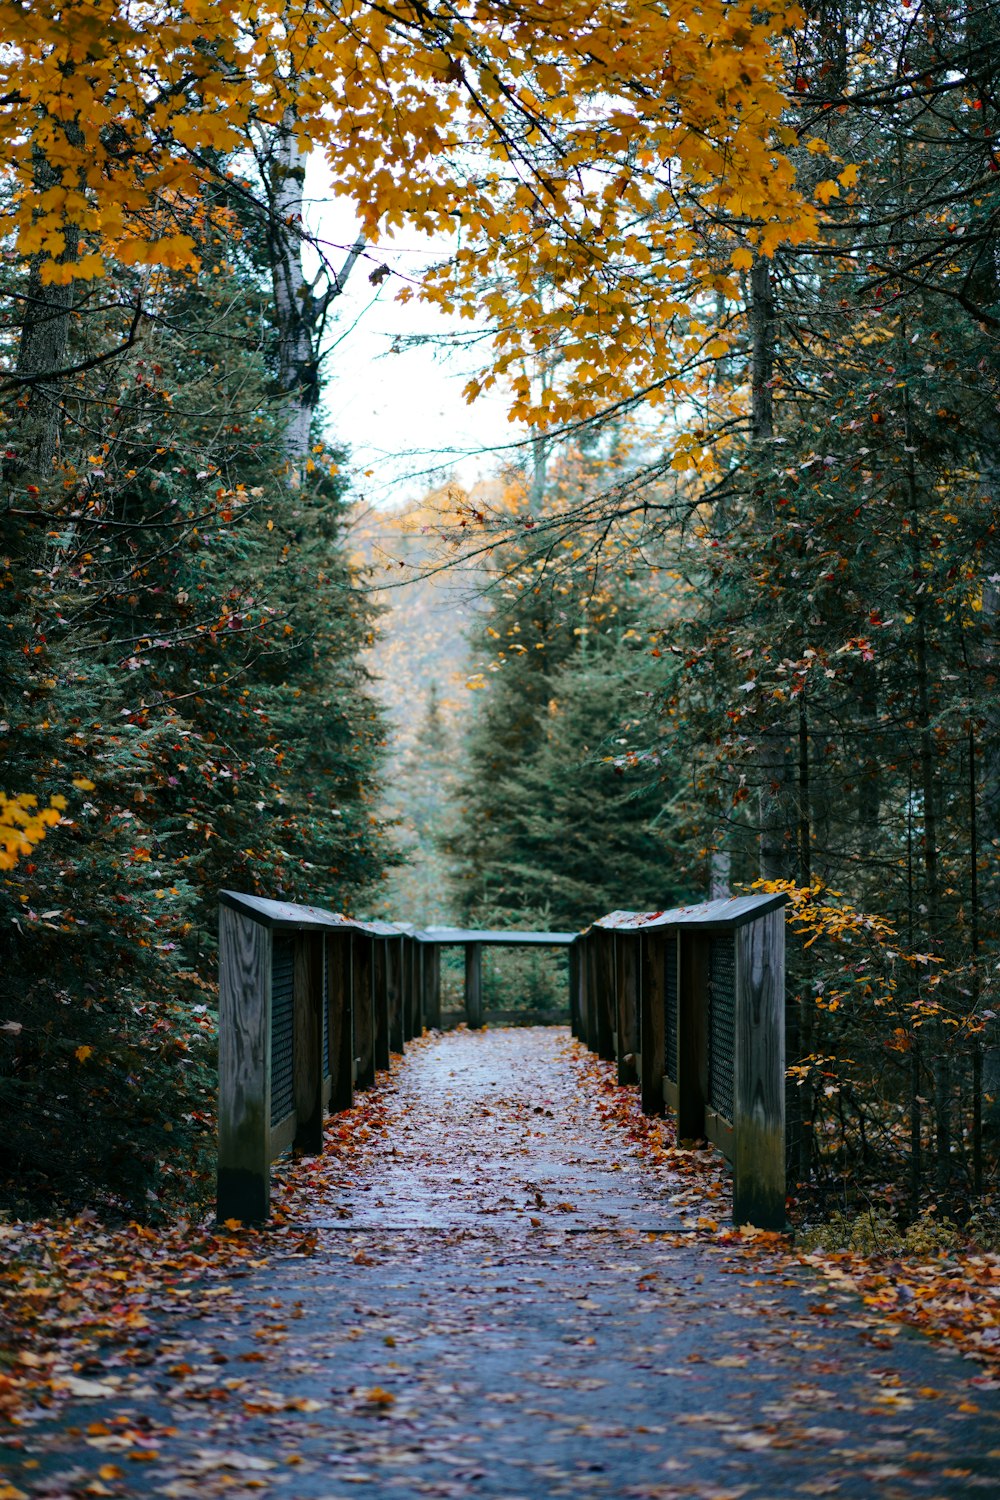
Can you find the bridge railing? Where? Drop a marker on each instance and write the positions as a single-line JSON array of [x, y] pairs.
[[689, 1003]]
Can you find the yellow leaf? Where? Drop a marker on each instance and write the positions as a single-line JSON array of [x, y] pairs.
[[848, 176], [84, 784], [824, 191], [82, 1053], [742, 259]]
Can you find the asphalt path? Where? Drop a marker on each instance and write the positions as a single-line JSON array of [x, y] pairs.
[[487, 1287]]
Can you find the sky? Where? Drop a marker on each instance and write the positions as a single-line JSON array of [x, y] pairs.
[[401, 412]]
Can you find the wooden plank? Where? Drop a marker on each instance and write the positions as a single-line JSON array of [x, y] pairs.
[[432, 992], [626, 1018], [417, 996], [340, 1001], [604, 994], [364, 1010], [759, 1102], [244, 1175], [307, 1044], [692, 1036], [395, 970], [473, 986], [573, 978], [410, 947], [283, 1134], [592, 978], [653, 1024], [380, 994]]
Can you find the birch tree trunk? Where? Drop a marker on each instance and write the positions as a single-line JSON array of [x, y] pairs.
[[300, 306]]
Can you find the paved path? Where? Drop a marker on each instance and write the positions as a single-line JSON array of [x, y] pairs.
[[467, 1309]]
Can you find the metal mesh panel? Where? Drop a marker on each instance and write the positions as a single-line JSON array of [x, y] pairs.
[[670, 997], [282, 1027], [327, 1063], [722, 1026]]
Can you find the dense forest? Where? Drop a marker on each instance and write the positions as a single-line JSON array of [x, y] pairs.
[[736, 610]]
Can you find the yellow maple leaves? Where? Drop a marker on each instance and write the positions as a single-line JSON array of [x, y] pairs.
[[23, 824], [598, 154]]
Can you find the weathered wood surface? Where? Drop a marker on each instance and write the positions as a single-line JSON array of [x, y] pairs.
[[473, 985], [591, 977], [432, 986], [604, 994], [380, 998], [307, 1054], [692, 1036], [340, 1000], [244, 1175], [574, 979], [364, 1010], [395, 970], [653, 1025], [626, 1025], [759, 1100]]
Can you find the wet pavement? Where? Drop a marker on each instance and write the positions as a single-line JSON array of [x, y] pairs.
[[491, 1128], [465, 1300]]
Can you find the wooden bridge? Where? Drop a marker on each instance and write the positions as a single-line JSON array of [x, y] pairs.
[[689, 1002]]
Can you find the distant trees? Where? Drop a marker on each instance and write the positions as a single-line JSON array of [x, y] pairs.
[[561, 811]]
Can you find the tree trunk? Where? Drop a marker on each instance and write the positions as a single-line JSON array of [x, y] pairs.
[[299, 310], [42, 350]]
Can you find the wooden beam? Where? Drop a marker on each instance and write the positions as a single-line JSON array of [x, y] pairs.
[[652, 1023], [591, 977], [380, 994], [474, 985], [244, 1171], [432, 987], [574, 980], [759, 1096], [410, 949], [692, 1036], [626, 1020], [395, 969], [307, 1043], [340, 1003], [364, 1010]]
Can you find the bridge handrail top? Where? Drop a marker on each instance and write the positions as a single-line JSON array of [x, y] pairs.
[[509, 936], [723, 914], [294, 916]]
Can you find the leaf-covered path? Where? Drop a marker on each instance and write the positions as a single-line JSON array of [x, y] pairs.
[[501, 1282]]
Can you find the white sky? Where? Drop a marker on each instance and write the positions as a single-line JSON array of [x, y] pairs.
[[402, 413]]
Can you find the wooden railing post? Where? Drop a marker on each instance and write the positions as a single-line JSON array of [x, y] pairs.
[[396, 966], [759, 1093], [652, 1018], [340, 1000], [692, 1037], [364, 1010], [474, 985], [591, 987], [604, 945], [244, 1172], [380, 993], [433, 997], [419, 988], [626, 1028], [573, 980], [307, 1042]]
